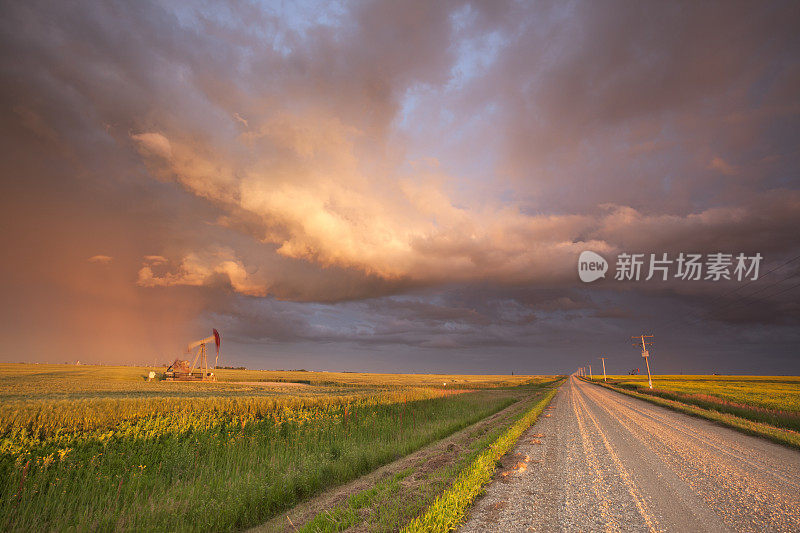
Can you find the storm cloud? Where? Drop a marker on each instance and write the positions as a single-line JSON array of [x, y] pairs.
[[405, 185]]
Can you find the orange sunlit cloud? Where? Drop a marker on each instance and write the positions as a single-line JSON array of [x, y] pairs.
[[393, 186], [102, 259]]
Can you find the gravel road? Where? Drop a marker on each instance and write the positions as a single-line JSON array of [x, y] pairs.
[[605, 461]]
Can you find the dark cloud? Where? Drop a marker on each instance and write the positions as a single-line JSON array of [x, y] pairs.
[[402, 181]]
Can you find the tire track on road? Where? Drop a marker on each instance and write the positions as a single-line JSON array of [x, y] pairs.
[[637, 497], [610, 524], [607, 462], [732, 449], [742, 492]]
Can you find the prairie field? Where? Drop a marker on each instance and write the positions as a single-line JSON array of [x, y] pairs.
[[773, 400], [101, 448]]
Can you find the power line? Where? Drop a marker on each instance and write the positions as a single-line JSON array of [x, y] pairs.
[[765, 274], [709, 313], [785, 290], [749, 296], [742, 298], [752, 295], [737, 289]]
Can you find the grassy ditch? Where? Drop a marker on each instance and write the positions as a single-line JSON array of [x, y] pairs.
[[408, 487], [715, 410], [448, 510]]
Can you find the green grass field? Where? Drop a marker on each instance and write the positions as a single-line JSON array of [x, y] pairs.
[[100, 448], [770, 400]]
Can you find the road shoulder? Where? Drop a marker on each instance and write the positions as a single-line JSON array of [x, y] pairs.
[[408, 483]]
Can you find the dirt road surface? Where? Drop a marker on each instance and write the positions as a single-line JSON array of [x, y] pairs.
[[603, 461]]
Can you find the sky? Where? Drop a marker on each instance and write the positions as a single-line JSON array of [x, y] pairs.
[[400, 186]]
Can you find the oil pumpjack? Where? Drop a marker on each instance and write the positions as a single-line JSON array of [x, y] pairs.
[[180, 370]]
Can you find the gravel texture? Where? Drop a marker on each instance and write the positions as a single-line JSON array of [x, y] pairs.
[[603, 461]]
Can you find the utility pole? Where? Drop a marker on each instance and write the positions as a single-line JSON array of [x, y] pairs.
[[645, 354], [590, 372], [604, 367]]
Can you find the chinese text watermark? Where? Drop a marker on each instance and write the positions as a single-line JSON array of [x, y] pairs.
[[663, 266]]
